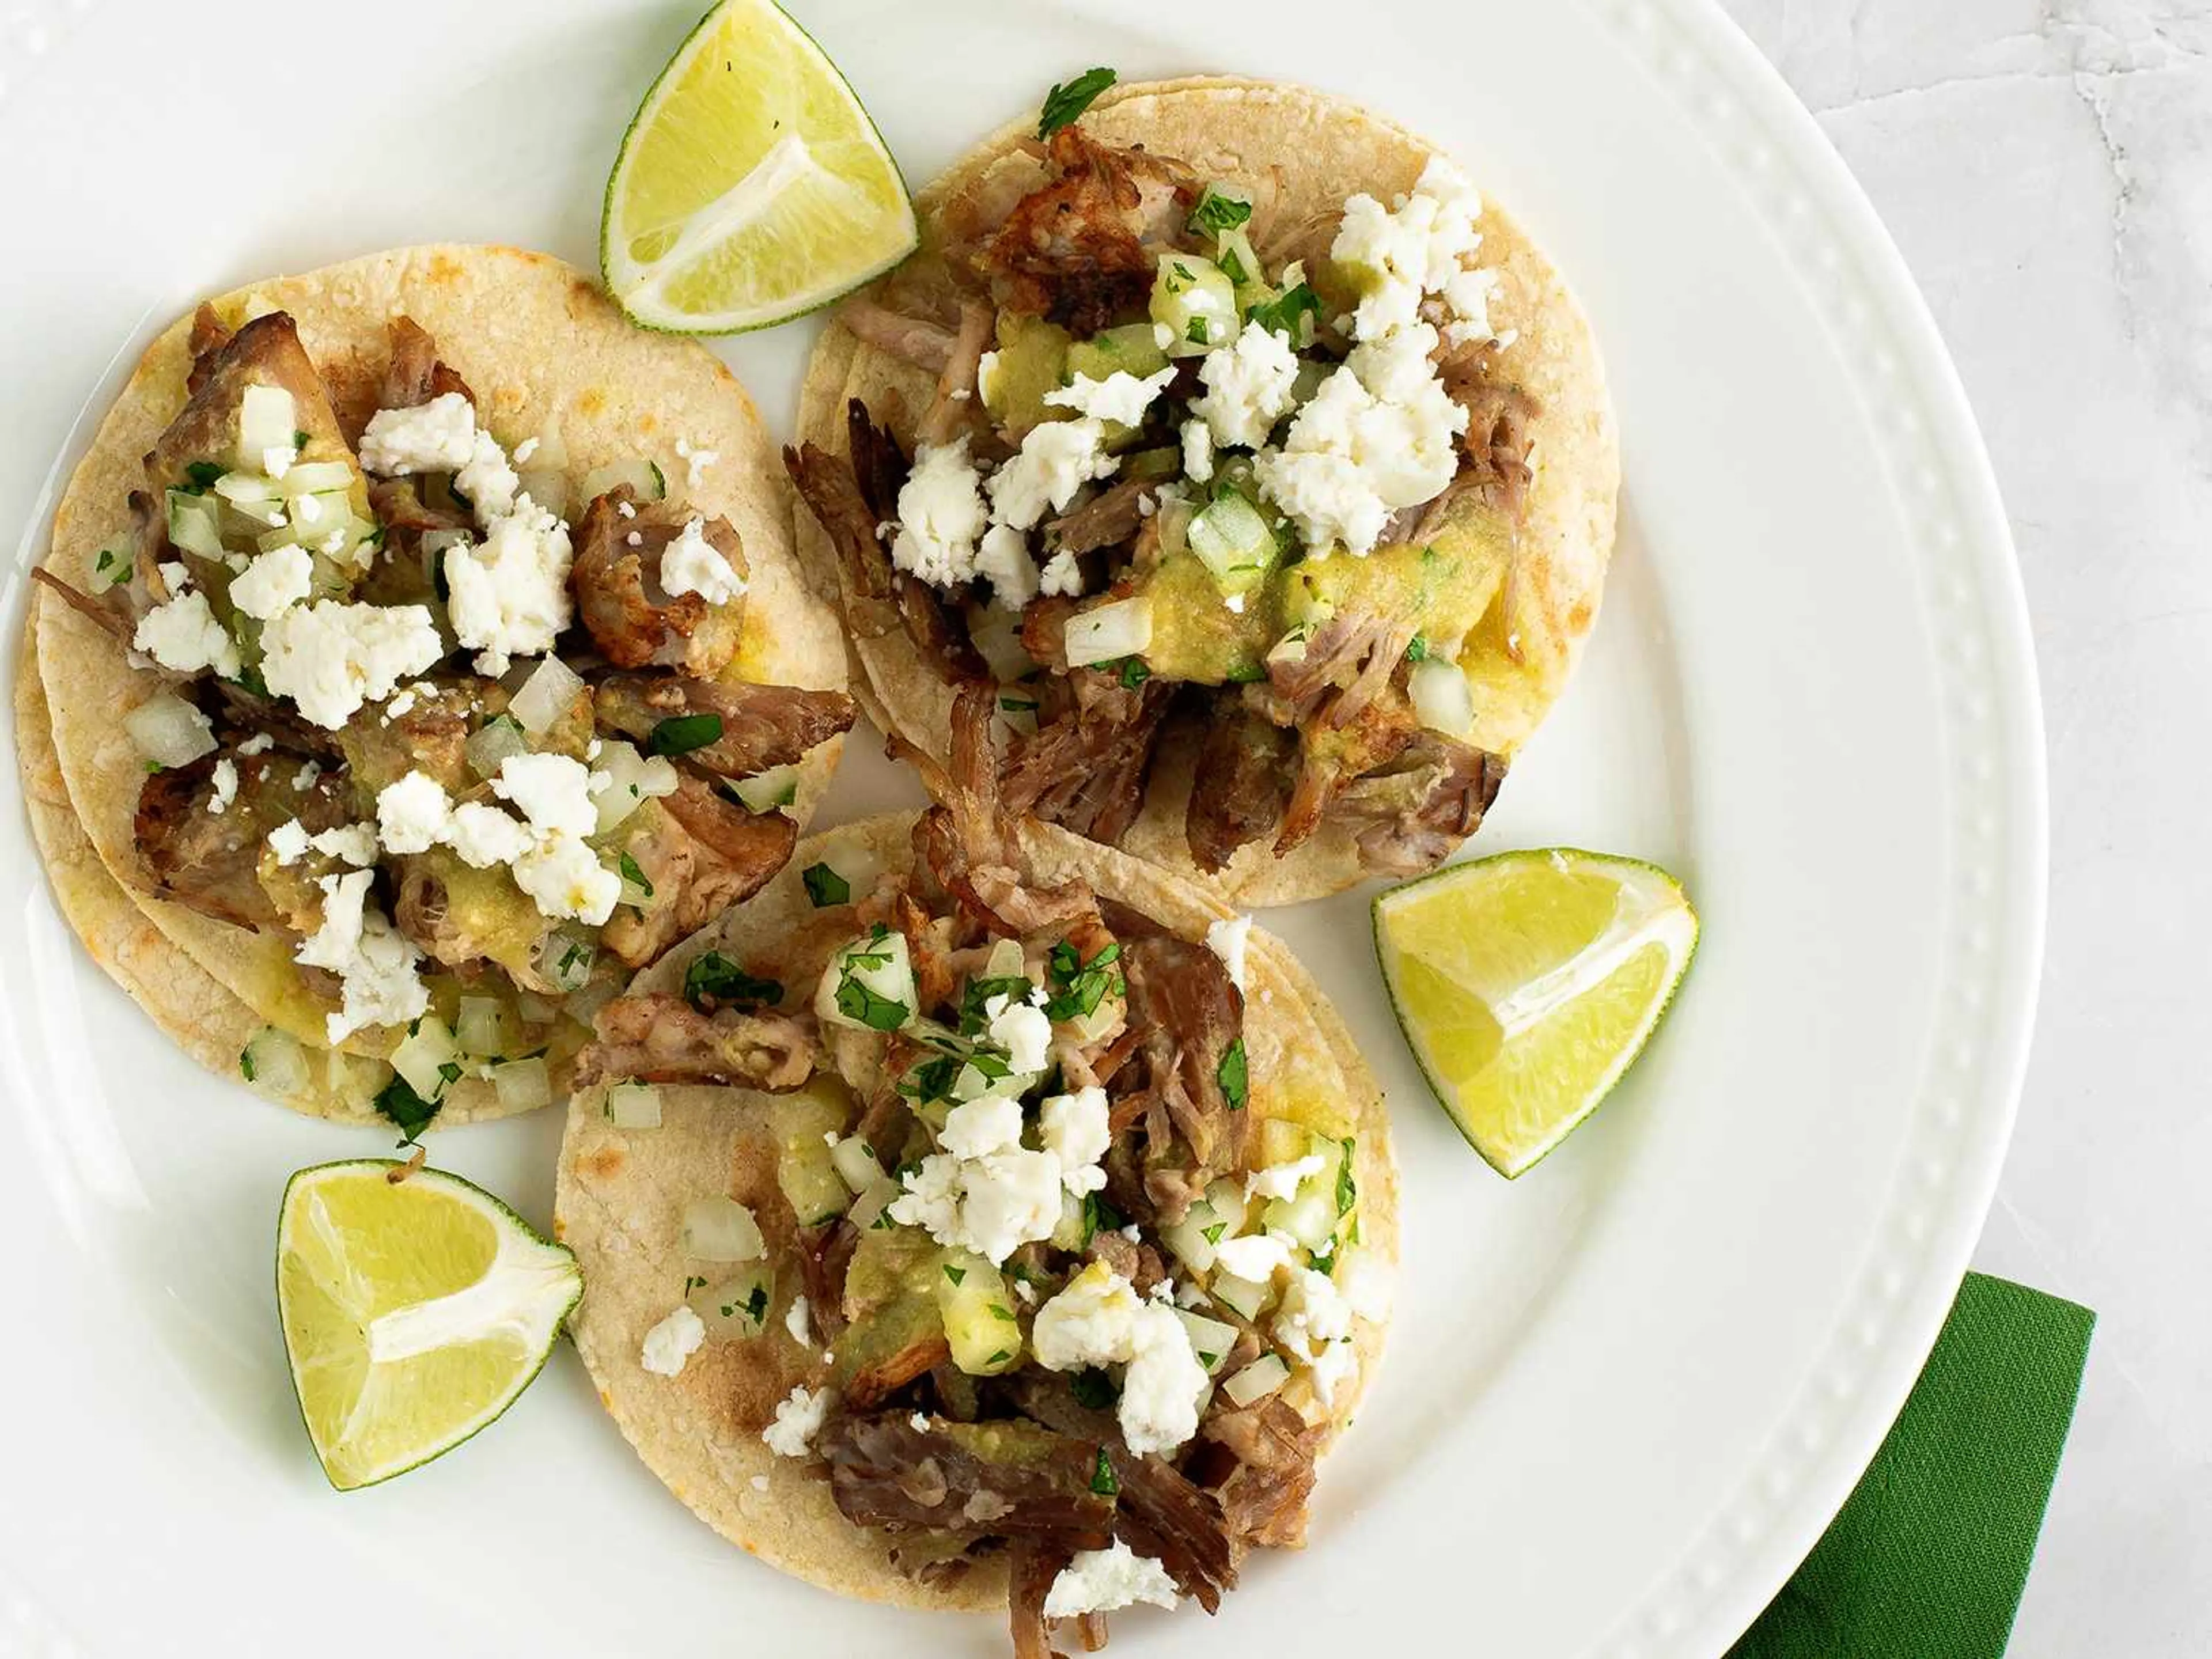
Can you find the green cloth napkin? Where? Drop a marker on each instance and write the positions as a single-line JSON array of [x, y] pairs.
[[1928, 1558]]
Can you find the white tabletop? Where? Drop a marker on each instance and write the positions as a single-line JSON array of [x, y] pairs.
[[2049, 180]]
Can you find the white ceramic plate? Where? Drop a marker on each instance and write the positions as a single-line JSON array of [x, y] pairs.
[[1623, 1397]]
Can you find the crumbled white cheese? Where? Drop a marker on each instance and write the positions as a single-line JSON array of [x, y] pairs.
[[669, 1344], [1198, 447], [1106, 1581], [412, 814], [259, 743], [692, 564], [1415, 249], [1255, 1256], [940, 516], [1074, 1128], [1056, 458], [487, 482], [508, 594], [1249, 386], [799, 1418], [277, 459], [482, 836], [992, 1205], [1282, 1180], [304, 777], [1023, 1031], [625, 510], [184, 637], [1062, 575], [566, 880], [987, 372], [977, 1129], [1312, 1314], [289, 842], [282, 576], [352, 843], [523, 451], [1227, 939], [175, 574], [1099, 1320], [375, 962], [225, 779], [554, 792], [1121, 398], [1467, 295], [1378, 436], [439, 436], [795, 1321], [329, 658], [1003, 559]]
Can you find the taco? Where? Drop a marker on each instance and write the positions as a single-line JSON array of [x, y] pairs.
[[1268, 470], [421, 651], [981, 1218]]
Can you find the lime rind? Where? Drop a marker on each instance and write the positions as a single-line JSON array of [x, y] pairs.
[[1672, 926], [508, 1226], [615, 265]]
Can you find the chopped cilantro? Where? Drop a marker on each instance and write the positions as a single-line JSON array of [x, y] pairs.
[[1079, 987], [1218, 211], [999, 1355], [1347, 1185], [1417, 650], [692, 1282], [1198, 332], [956, 1274], [975, 999], [451, 1072], [1065, 104], [1286, 313], [659, 482], [712, 977], [1247, 673], [1134, 672], [634, 876], [203, 475], [1234, 1076], [1018, 705], [299, 439], [877, 1013], [1232, 266], [931, 1079], [1000, 1310], [246, 1062], [1099, 1215], [1208, 1360], [825, 886], [679, 734], [398, 1101], [1093, 1389], [1213, 1235], [1102, 1476]]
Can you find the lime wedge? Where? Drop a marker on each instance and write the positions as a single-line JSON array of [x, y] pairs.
[[751, 186], [413, 1312], [1527, 983]]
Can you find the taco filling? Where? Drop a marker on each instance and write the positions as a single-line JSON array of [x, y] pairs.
[[1188, 461], [473, 759], [1054, 1271]]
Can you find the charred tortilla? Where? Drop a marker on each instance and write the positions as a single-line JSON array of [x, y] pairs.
[[1301, 153], [622, 1192], [538, 350]]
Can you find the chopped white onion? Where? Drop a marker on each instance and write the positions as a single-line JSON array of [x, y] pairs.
[[738, 1307], [523, 1085], [872, 1203], [764, 792], [891, 979], [1122, 629], [643, 477], [275, 1064], [1210, 1340], [1262, 1377], [1309, 1216], [1243, 1297], [566, 956], [720, 1230], [315, 477], [551, 690], [267, 420], [997, 635], [634, 1106], [422, 1053], [855, 1164], [487, 749], [1006, 960], [632, 778], [546, 485], [476, 1027], [1441, 696], [168, 731]]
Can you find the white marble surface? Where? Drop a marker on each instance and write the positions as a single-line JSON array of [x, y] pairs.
[[2047, 166]]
